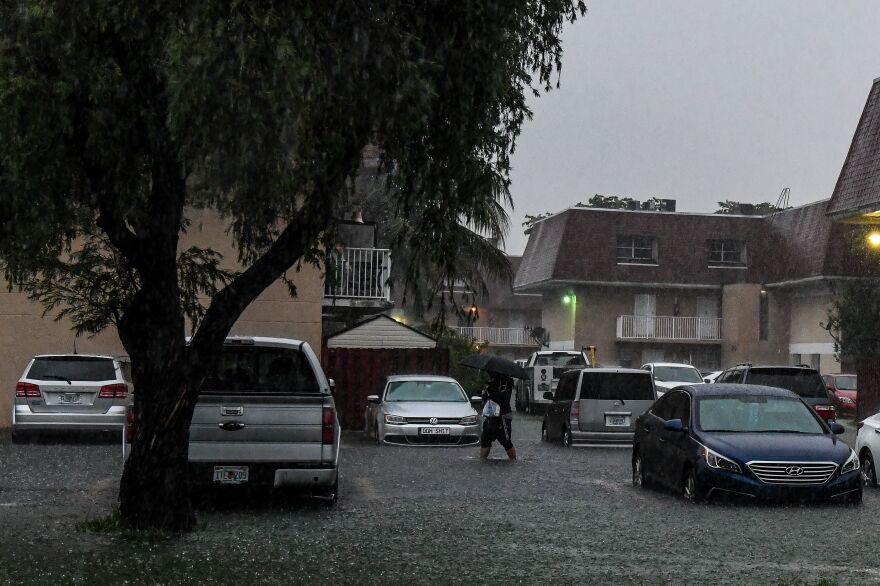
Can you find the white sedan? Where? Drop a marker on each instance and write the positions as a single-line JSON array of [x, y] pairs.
[[422, 410], [868, 447]]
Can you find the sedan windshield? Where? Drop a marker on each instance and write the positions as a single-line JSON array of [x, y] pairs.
[[433, 391], [755, 414], [683, 374]]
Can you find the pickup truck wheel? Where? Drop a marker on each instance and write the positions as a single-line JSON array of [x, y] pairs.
[[566, 438], [544, 437], [331, 495]]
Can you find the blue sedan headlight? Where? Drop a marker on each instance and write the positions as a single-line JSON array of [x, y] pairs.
[[716, 460], [852, 464]]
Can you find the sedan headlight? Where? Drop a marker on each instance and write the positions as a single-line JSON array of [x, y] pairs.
[[852, 464], [395, 419], [469, 420], [716, 460]]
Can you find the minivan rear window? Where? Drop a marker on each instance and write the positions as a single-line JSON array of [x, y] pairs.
[[260, 370], [626, 386], [806, 383], [72, 368]]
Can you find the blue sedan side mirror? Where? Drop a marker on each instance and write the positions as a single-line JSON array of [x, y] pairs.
[[674, 425], [836, 428]]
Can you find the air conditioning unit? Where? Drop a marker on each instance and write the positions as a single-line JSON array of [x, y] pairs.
[[633, 205], [667, 205]]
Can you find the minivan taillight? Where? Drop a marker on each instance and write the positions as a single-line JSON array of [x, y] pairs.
[[328, 433], [575, 410], [114, 391], [27, 390], [826, 412], [129, 424]]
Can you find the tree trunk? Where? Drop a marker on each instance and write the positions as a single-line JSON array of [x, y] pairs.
[[868, 372]]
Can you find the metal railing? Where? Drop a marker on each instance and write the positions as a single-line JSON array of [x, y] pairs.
[[667, 327], [359, 273], [497, 336]]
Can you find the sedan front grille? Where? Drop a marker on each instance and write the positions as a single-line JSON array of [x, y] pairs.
[[793, 473], [440, 420]]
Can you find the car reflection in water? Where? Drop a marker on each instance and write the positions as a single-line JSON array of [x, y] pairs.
[[422, 410], [711, 440]]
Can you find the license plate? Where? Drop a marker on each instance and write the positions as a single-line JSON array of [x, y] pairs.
[[434, 430], [69, 398], [231, 474], [617, 421]]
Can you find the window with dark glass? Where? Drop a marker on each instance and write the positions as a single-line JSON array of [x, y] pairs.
[[637, 249], [726, 252]]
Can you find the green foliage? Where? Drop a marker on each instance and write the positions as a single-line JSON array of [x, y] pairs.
[[734, 207], [596, 201], [459, 347]]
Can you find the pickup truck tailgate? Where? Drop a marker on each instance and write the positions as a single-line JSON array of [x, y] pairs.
[[274, 428]]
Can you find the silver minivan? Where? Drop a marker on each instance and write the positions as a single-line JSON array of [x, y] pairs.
[[597, 406]]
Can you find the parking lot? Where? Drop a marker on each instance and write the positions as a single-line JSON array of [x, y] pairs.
[[428, 515]]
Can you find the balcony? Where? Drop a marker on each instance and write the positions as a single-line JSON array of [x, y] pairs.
[[358, 274], [497, 336], [667, 327]]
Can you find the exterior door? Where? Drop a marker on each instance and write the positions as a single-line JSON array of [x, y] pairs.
[[645, 312], [707, 318]]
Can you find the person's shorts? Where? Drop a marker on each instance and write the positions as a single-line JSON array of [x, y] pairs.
[[496, 428]]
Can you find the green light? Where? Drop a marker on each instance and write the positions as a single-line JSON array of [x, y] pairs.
[[566, 299]]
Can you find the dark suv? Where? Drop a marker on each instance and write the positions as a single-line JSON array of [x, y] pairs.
[[803, 380]]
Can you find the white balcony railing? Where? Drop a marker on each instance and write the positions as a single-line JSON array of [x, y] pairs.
[[497, 336], [359, 273], [667, 327]]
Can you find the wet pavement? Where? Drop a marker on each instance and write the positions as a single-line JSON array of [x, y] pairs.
[[430, 515]]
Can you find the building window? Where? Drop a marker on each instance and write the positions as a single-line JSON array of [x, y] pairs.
[[637, 249], [726, 252], [764, 317]]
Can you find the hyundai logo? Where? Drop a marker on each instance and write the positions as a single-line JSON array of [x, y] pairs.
[[433, 421], [794, 470]]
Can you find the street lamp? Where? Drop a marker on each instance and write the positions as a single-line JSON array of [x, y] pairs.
[[874, 239]]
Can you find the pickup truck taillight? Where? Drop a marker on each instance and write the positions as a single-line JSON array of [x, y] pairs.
[[826, 412], [575, 410], [27, 390], [129, 425], [114, 391], [328, 433]]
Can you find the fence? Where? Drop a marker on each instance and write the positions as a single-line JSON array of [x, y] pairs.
[[662, 327], [497, 336], [359, 273]]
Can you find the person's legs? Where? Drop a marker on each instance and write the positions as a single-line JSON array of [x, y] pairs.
[[487, 437], [504, 438]]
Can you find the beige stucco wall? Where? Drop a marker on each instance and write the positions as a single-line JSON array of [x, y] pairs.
[[24, 332], [808, 337], [559, 319], [740, 306]]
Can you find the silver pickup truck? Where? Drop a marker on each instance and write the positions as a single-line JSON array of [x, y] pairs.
[[265, 417]]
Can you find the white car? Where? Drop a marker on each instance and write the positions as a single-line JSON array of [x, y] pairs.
[[868, 447], [422, 410], [668, 375], [710, 377]]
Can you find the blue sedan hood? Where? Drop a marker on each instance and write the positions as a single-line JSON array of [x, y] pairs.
[[783, 447]]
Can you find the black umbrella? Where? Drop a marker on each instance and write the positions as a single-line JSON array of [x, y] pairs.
[[494, 364]]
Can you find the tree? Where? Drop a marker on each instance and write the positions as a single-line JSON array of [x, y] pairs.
[[854, 318], [596, 201], [748, 209], [118, 117]]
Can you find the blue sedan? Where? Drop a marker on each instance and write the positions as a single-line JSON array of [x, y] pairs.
[[762, 442]]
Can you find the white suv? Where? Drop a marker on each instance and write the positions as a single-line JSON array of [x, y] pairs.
[[71, 392], [668, 375]]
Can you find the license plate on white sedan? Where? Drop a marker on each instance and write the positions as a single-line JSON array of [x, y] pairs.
[[617, 421], [231, 474], [434, 430]]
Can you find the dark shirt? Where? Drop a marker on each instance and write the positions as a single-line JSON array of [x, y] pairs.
[[499, 390]]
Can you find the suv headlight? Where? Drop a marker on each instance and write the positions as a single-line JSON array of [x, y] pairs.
[[851, 464], [469, 420], [719, 462], [395, 419]]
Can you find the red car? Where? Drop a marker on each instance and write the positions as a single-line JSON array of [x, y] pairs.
[[843, 388]]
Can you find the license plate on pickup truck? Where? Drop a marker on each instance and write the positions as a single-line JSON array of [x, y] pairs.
[[231, 474], [617, 421], [434, 430]]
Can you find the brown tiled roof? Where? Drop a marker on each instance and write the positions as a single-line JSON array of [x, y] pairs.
[[858, 186], [580, 246]]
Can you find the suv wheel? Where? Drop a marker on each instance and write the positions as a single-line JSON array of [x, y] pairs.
[[690, 488], [566, 437], [869, 472]]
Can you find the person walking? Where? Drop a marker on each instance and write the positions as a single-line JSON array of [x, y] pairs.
[[497, 416]]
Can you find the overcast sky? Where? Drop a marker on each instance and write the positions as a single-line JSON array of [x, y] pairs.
[[699, 101]]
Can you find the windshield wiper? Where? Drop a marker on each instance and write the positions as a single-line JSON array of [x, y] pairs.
[[780, 431], [57, 377]]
